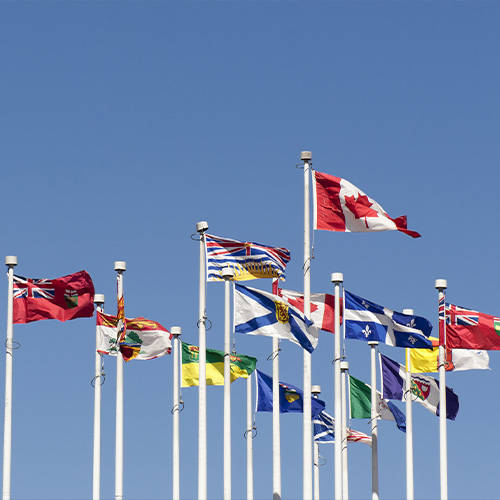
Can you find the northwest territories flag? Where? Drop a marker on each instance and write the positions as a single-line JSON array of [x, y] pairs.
[[324, 431], [262, 313], [248, 260], [365, 320]]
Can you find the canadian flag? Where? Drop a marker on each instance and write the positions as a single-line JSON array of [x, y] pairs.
[[322, 307], [340, 206]]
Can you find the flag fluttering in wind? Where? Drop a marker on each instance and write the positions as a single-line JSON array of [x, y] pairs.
[[241, 366], [365, 320], [63, 298], [248, 260], [144, 339], [324, 431], [262, 313], [427, 361], [322, 308], [468, 329], [360, 396], [340, 206], [424, 389], [290, 397]]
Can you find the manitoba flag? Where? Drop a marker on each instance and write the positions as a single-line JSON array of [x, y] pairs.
[[340, 206], [63, 298]]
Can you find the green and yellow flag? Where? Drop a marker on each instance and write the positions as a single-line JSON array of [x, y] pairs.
[[241, 366]]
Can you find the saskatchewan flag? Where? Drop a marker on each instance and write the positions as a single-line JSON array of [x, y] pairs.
[[241, 366]]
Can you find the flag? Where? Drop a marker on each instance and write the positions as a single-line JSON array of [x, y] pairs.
[[468, 329], [240, 366], [262, 313], [365, 320], [360, 397], [248, 260], [424, 389], [322, 308], [340, 206], [290, 397], [425, 360], [144, 338], [63, 298], [324, 431]]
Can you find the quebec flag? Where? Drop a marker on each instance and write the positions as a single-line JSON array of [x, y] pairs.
[[261, 313], [365, 320]]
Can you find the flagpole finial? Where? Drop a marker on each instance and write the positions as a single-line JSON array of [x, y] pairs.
[[315, 390], [11, 260], [441, 284], [337, 278], [98, 298], [409, 312], [201, 226], [305, 156], [120, 265], [227, 273], [373, 343], [344, 366], [175, 331]]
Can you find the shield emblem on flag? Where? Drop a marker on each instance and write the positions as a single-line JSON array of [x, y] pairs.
[[281, 312], [420, 389]]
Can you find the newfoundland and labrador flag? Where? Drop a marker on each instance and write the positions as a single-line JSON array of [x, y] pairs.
[[324, 431], [424, 389], [365, 320], [144, 338], [340, 206], [290, 397], [63, 298], [248, 260], [262, 313]]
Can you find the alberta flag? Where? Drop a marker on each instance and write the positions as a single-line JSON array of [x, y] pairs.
[[262, 313], [365, 320]]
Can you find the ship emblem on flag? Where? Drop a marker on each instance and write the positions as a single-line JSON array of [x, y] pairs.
[[282, 312]]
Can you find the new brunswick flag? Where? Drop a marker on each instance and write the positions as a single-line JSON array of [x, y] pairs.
[[241, 366]]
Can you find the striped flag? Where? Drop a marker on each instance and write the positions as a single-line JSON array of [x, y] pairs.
[[324, 431], [248, 260]]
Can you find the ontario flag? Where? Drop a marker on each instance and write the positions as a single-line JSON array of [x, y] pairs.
[[468, 329], [63, 298], [340, 206]]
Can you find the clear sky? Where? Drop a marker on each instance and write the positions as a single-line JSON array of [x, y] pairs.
[[123, 123]]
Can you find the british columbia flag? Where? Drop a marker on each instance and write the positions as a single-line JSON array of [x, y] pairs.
[[457, 315], [33, 288]]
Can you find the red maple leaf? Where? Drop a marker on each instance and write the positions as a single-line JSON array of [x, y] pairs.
[[360, 207]]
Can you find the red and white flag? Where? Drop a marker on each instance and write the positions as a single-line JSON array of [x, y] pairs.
[[322, 307], [340, 206]]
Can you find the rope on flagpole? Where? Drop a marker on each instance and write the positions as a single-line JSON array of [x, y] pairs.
[[102, 375], [14, 345], [178, 407], [274, 353]]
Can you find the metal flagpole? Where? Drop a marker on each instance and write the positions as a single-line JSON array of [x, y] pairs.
[[249, 436], [374, 415], [337, 279], [441, 286], [276, 414], [344, 368], [227, 275], [10, 262], [409, 424], [305, 156], [176, 334], [316, 391], [201, 228], [120, 267], [96, 478]]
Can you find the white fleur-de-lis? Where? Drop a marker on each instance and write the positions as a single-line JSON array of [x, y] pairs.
[[411, 324], [412, 339], [366, 331]]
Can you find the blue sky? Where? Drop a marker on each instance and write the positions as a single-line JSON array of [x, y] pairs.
[[125, 123]]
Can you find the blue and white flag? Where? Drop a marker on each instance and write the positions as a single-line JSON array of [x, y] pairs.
[[423, 389], [261, 313], [248, 260], [365, 320], [324, 431], [290, 397]]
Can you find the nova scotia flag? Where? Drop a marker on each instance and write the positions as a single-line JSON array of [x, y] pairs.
[[365, 320]]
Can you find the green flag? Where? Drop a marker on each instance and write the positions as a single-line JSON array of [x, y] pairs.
[[360, 396]]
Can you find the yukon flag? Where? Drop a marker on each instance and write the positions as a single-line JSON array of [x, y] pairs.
[[340, 206]]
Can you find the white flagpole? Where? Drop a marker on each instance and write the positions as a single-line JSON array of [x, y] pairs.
[[316, 391], [96, 478], [337, 279], [10, 262], [409, 424], [120, 267], [249, 440], [227, 275], [305, 156], [176, 333], [201, 228], [373, 346], [441, 286], [276, 414], [344, 368]]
